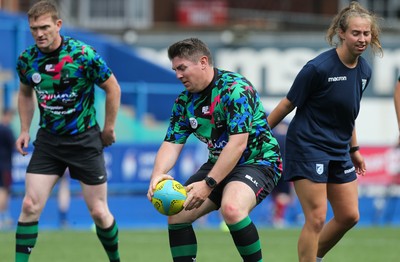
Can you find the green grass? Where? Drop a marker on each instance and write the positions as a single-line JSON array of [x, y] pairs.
[[279, 245]]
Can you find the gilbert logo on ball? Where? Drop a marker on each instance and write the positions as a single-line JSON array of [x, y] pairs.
[[169, 197]]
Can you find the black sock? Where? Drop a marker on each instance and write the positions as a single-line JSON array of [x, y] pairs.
[[247, 241], [26, 236], [183, 243], [109, 239]]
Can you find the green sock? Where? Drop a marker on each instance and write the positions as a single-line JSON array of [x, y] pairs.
[[26, 236], [246, 239], [183, 243], [109, 239]]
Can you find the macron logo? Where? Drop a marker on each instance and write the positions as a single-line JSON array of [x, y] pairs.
[[337, 78]]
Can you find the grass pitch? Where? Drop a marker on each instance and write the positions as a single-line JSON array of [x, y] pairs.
[[371, 244]]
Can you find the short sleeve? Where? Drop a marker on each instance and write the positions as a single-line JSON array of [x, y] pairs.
[[303, 85]]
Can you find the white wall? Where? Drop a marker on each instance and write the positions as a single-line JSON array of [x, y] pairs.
[[376, 123]]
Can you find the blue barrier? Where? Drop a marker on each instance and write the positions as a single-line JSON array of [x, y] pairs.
[[135, 211], [130, 166]]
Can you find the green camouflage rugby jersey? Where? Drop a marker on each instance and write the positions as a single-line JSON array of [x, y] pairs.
[[64, 83], [229, 105]]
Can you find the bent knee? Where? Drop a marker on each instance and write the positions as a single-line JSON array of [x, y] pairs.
[[232, 214], [349, 220]]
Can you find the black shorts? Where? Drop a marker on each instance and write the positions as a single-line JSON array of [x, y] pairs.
[[82, 154], [282, 187], [259, 178]]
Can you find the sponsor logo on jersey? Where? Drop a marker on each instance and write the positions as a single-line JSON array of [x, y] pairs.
[[205, 110], [64, 97], [337, 78], [50, 68], [319, 168], [218, 144]]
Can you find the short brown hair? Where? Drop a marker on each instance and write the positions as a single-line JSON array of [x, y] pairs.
[[191, 49], [43, 8]]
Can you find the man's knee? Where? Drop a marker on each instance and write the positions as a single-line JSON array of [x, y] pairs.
[[101, 216], [231, 213], [30, 207]]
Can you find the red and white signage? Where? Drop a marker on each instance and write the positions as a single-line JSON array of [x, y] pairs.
[[383, 165], [202, 12]]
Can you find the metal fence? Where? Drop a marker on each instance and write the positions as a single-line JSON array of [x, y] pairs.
[[106, 14], [121, 15]]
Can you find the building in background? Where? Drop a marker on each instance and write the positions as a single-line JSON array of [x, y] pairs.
[[119, 16]]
